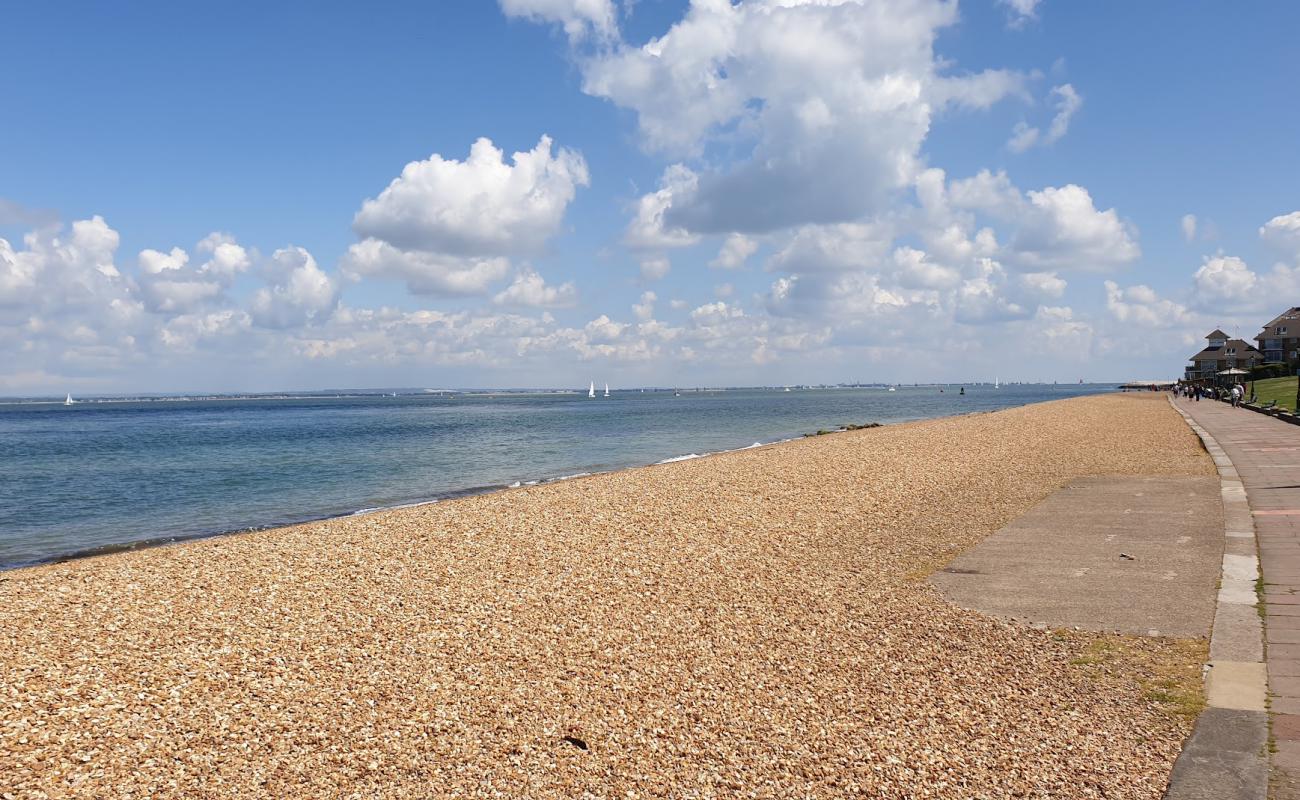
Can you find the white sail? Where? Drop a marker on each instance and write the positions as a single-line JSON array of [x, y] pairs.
[[607, 390], [68, 401], [995, 382], [591, 390]]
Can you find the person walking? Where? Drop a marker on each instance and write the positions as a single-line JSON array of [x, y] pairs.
[[1236, 395]]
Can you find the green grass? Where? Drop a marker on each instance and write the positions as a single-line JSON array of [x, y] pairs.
[[1280, 389]]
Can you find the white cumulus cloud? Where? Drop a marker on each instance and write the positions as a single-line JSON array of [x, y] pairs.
[[825, 103], [579, 18], [1141, 305], [1283, 233], [299, 292], [424, 272], [1067, 103], [647, 230], [654, 268], [529, 290], [228, 258], [1223, 279], [480, 206], [645, 309], [1020, 12], [1226, 286], [1062, 229], [736, 249], [1044, 284]]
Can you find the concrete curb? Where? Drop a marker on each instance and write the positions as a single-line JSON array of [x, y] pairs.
[[1226, 756], [1275, 413]]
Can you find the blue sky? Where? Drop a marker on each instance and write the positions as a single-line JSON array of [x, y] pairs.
[[753, 192]]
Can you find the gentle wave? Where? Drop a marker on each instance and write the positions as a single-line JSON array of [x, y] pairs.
[[686, 457]]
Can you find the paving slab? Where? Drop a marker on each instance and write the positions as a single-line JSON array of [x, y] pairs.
[[1133, 554], [1238, 634], [1223, 759], [1263, 453]]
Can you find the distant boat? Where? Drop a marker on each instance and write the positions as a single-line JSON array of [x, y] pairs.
[[892, 389], [68, 401], [676, 393], [995, 382], [591, 390], [787, 388], [607, 390]]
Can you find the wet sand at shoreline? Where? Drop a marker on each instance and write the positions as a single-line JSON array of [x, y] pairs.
[[748, 624]]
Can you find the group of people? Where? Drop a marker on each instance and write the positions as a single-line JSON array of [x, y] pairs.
[[1235, 394]]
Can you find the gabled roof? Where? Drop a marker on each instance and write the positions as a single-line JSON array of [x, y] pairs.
[[1244, 350], [1290, 315], [1216, 334]]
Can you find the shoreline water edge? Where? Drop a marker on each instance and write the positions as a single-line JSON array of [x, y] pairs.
[[165, 541], [165, 518]]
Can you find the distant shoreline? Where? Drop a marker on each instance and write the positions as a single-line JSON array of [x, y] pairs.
[[366, 394]]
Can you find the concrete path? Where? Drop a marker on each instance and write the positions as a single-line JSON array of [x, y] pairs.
[[1266, 455], [1188, 568], [1133, 554]]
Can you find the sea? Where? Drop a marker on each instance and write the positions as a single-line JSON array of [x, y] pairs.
[[100, 476]]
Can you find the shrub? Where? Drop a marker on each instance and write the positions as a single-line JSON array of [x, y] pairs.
[[1266, 371]]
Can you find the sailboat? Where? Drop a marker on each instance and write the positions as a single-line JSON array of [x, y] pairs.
[[591, 390], [68, 401], [607, 390], [995, 382]]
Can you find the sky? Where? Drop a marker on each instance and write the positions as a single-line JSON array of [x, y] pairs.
[[543, 193]]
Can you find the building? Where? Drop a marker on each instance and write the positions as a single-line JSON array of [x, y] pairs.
[[1280, 339], [1222, 353]]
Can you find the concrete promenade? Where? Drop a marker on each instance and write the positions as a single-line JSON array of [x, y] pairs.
[[1090, 555], [1266, 455]]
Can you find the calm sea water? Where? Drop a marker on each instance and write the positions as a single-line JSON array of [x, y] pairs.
[[103, 475]]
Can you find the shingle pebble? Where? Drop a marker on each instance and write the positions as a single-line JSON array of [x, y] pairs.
[[752, 624]]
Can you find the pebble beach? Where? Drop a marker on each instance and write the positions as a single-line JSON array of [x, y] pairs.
[[751, 624]]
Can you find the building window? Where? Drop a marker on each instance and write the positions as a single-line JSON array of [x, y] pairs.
[[1280, 330]]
